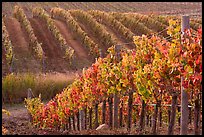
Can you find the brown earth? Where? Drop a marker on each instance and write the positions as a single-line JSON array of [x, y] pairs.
[[17, 37], [82, 58], [25, 60], [53, 53], [54, 60], [80, 51]]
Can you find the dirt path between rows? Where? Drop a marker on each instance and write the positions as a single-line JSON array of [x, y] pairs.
[[17, 36], [20, 43], [80, 51], [82, 59], [53, 52]]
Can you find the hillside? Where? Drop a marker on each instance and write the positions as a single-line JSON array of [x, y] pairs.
[[150, 20], [71, 67]]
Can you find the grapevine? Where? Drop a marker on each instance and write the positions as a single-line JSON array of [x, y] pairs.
[[7, 44], [137, 27], [74, 26], [110, 20], [152, 71], [35, 45], [105, 38], [68, 51]]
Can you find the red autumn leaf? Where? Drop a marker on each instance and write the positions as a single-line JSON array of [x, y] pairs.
[[185, 84], [199, 59]]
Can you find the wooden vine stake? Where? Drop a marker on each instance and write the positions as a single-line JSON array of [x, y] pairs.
[[82, 119], [197, 110], [85, 117], [78, 119], [142, 117], [184, 95], [154, 121], [110, 106], [96, 115], [116, 97], [173, 114], [121, 114], [104, 111], [29, 96], [90, 118], [129, 118]]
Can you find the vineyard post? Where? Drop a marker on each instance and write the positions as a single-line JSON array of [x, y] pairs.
[[96, 115], [85, 117], [147, 119], [110, 106], [142, 117], [104, 111], [121, 114], [115, 115], [73, 120], [169, 113], [29, 96], [154, 122], [184, 95], [90, 118], [116, 98], [78, 118], [197, 111], [104, 101], [160, 111], [173, 114], [11, 66], [43, 63], [81, 115], [129, 117], [69, 123]]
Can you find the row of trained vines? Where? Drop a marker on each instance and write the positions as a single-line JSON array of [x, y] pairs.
[[7, 45], [103, 36], [77, 30], [152, 24], [194, 24], [34, 44], [68, 51], [108, 19], [148, 7], [125, 24], [149, 74], [133, 24]]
